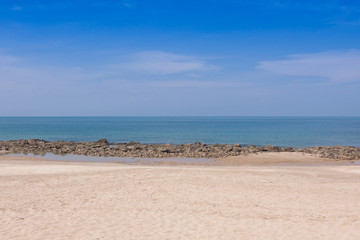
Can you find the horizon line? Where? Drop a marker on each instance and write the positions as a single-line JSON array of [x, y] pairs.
[[68, 116]]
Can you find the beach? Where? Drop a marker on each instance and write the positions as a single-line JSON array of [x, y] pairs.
[[262, 198], [179, 120]]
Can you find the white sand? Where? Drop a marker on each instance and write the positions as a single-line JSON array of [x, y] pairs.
[[56, 200]]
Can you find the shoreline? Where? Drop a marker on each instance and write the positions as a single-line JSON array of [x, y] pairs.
[[103, 148], [254, 159]]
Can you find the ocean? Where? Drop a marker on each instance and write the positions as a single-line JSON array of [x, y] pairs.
[[280, 131]]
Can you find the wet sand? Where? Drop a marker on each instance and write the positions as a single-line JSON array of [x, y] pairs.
[[267, 197]]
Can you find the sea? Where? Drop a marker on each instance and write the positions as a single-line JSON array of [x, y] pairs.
[[260, 131]]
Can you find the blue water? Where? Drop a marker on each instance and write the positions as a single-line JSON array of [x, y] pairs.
[[281, 131]]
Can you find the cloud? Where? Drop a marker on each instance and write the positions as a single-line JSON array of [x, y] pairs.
[[149, 65], [31, 88], [338, 67], [16, 71], [199, 84], [16, 8], [354, 23], [6, 60], [163, 63], [128, 3], [315, 5]]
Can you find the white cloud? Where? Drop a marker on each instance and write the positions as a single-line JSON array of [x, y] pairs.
[[354, 23], [30, 88], [6, 60], [16, 8], [150, 65], [163, 63], [203, 84], [338, 67], [17, 71], [128, 3]]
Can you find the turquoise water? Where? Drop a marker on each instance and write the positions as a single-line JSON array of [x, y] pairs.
[[281, 131]]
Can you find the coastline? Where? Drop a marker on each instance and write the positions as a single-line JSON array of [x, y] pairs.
[[254, 159], [103, 148]]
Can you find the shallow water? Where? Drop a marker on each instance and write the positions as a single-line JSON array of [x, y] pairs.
[[129, 160], [137, 160]]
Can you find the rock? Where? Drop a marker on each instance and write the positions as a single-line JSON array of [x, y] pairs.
[[136, 149], [289, 149], [103, 141]]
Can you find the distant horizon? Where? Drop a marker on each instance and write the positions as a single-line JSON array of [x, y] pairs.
[[186, 116]]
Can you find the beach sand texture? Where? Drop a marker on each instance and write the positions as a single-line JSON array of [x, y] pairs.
[[58, 200]]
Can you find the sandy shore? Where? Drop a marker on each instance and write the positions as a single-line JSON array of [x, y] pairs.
[[59, 200]]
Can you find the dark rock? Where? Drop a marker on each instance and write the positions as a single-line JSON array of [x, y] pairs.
[[136, 149], [103, 141]]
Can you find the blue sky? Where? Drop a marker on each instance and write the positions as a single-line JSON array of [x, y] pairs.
[[132, 57]]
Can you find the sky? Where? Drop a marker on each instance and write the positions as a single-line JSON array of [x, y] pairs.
[[179, 58]]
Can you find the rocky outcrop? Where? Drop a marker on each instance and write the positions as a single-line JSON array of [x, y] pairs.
[[135, 149], [336, 152]]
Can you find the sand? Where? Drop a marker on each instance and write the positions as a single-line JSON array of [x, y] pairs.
[[64, 200]]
